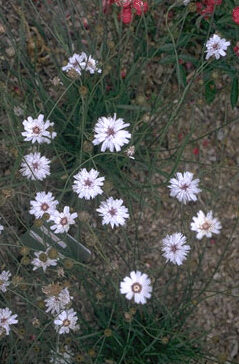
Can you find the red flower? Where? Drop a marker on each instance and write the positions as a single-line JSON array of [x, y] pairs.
[[196, 151], [106, 4], [126, 15], [206, 7], [235, 15], [123, 73], [140, 6], [236, 51]]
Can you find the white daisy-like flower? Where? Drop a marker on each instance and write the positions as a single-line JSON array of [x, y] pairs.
[[43, 203], [87, 184], [36, 130], [62, 356], [79, 62], [205, 225], [113, 212], [137, 286], [43, 261], [4, 280], [174, 248], [6, 319], [66, 321], [216, 46], [55, 304], [63, 220], [18, 110], [35, 166], [184, 187], [109, 131]]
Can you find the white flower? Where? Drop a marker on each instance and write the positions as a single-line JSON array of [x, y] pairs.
[[186, 2], [6, 319], [216, 46], [36, 130], [174, 248], [1, 228], [4, 280], [80, 62], [90, 64], [43, 261], [62, 357], [137, 286], [184, 188], [43, 203], [66, 321], [205, 225], [35, 166], [18, 111], [87, 184], [130, 152], [57, 303], [113, 212], [63, 220], [108, 131]]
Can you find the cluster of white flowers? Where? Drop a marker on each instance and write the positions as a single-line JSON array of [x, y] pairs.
[[58, 302], [82, 62]]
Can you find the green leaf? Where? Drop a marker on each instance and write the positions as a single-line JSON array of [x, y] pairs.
[[181, 75], [234, 92], [210, 91]]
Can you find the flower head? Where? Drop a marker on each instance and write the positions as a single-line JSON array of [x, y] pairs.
[[4, 280], [174, 248], [113, 212], [6, 319], [109, 131], [43, 203], [140, 6], [79, 62], [66, 321], [43, 261], [63, 220], [235, 14], [35, 166], [205, 225], [137, 286], [36, 130], [58, 302], [184, 187], [87, 184], [216, 46]]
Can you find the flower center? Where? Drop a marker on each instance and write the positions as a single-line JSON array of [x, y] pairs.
[[64, 221], [110, 132], [1, 282], [88, 182], [44, 206], [205, 226], [184, 187], [3, 320], [43, 257], [136, 287], [112, 212], [35, 165], [174, 248], [66, 322], [36, 130], [215, 46]]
